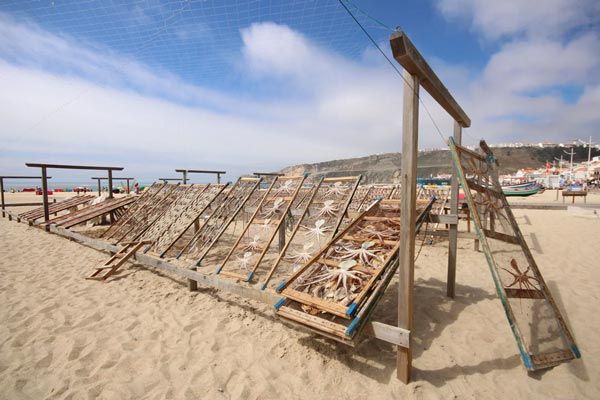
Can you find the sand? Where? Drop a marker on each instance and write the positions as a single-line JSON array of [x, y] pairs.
[[143, 335]]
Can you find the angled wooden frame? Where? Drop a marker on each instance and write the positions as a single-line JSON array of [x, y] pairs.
[[280, 193], [485, 181], [219, 220], [342, 204]]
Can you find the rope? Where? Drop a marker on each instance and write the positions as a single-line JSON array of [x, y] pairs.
[[422, 242], [378, 22], [437, 128]]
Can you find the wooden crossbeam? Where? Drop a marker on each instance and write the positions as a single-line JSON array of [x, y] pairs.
[[407, 55]]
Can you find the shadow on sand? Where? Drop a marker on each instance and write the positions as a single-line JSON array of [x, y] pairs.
[[376, 359], [434, 312]]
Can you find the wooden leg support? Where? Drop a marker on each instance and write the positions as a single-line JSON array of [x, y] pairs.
[[408, 198], [192, 284]]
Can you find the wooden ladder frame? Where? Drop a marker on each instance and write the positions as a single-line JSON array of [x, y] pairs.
[[116, 261]]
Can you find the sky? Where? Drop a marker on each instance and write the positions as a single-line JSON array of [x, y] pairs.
[[252, 85]]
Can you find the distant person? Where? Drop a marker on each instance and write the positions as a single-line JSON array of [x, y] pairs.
[[136, 188]]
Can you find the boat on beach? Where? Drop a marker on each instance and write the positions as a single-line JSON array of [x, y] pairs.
[[522, 190]]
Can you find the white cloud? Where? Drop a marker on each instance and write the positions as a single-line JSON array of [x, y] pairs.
[[533, 64], [545, 49], [123, 111], [541, 18], [150, 121]]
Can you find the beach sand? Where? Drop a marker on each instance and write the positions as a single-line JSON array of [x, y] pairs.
[[143, 335]]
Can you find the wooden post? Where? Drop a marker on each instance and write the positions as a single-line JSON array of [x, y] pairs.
[[453, 229], [410, 136], [193, 284], [99, 187], [45, 195], [282, 235], [184, 178], [218, 178], [2, 195], [110, 184], [128, 190]]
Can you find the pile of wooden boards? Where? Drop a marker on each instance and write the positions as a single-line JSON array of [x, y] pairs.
[[334, 293], [112, 206], [53, 208]]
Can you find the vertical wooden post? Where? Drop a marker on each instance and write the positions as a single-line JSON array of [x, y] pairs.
[[45, 196], [193, 284], [282, 234], [218, 178], [99, 188], [453, 229], [128, 190], [410, 137], [184, 178], [110, 187], [2, 195]]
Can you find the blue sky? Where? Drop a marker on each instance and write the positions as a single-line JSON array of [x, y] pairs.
[[245, 85]]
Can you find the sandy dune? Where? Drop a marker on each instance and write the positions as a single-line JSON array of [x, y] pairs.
[[144, 336]]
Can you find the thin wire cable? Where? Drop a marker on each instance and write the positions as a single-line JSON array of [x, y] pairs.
[[396, 69], [378, 22], [422, 241]]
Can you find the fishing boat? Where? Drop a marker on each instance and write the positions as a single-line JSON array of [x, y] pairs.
[[522, 190]]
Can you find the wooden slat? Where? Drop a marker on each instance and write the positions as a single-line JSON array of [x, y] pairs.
[[362, 239], [523, 293], [392, 334], [53, 208], [501, 236], [470, 152], [449, 219], [548, 360], [341, 178], [235, 275], [304, 298], [482, 189], [94, 211], [313, 321]]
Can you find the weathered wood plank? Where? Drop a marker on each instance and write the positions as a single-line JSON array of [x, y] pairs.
[[453, 228], [408, 201], [407, 55]]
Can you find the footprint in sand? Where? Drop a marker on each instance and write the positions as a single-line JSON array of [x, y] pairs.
[[76, 350], [20, 340], [89, 320], [20, 384], [44, 362], [132, 326], [192, 326]]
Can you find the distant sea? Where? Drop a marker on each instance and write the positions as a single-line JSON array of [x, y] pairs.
[[18, 185]]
